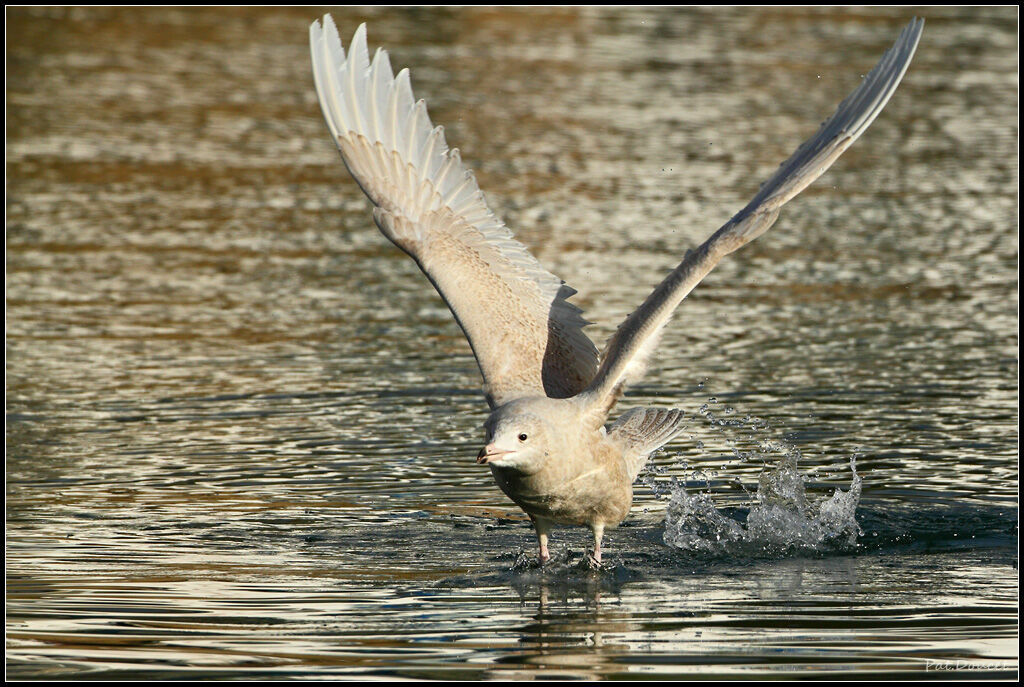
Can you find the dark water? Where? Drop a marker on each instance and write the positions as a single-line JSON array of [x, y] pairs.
[[241, 427]]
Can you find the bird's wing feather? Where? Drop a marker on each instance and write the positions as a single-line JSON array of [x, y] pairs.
[[636, 337], [527, 338]]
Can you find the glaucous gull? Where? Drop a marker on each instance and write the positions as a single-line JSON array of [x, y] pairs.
[[549, 391]]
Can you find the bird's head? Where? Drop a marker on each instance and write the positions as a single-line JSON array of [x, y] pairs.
[[518, 438]]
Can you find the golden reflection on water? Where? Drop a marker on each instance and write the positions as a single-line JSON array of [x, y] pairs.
[[240, 426]]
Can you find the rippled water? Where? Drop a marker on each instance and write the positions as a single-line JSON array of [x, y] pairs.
[[241, 426]]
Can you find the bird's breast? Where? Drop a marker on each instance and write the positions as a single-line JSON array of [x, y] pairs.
[[571, 490]]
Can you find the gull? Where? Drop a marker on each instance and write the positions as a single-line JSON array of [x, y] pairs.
[[549, 391]]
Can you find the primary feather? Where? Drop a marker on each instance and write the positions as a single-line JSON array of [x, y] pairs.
[[625, 355], [527, 338]]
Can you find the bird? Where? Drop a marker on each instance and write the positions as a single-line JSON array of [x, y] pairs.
[[548, 441]]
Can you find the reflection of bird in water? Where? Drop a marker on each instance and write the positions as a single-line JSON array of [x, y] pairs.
[[549, 392]]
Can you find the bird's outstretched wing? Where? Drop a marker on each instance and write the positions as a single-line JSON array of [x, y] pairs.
[[527, 338], [636, 337]]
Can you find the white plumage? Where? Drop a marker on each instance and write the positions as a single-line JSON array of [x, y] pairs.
[[526, 336], [547, 444]]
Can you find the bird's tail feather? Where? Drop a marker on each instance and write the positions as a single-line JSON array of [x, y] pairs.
[[642, 431]]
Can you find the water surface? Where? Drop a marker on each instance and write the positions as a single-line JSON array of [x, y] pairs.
[[241, 426]]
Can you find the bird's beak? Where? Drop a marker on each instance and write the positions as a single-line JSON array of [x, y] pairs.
[[490, 453]]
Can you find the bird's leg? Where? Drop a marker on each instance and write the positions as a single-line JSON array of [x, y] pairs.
[[542, 527], [595, 557]]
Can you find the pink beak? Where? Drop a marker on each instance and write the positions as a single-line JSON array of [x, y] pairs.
[[489, 453]]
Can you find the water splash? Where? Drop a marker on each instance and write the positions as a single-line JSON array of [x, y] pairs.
[[782, 518]]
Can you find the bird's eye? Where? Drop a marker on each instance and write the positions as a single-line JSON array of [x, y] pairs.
[[522, 437]]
